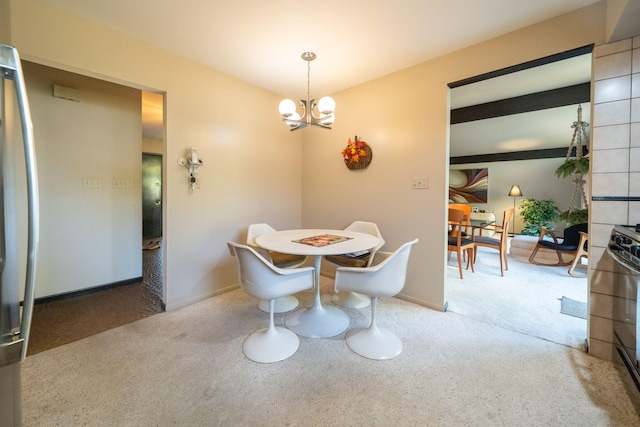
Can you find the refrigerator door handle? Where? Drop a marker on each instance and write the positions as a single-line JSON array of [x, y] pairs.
[[10, 62], [11, 352]]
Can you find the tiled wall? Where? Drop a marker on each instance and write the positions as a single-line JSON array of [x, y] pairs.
[[615, 168]]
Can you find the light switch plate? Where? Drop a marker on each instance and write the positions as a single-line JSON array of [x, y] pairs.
[[419, 183]]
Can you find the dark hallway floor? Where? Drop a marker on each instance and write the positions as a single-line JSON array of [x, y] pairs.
[[60, 322]]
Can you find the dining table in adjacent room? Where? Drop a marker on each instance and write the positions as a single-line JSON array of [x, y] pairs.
[[317, 321], [480, 224]]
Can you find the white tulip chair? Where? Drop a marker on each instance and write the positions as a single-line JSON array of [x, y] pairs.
[[385, 277], [349, 299], [261, 279], [289, 302]]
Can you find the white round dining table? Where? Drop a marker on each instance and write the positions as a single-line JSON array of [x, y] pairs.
[[317, 321]]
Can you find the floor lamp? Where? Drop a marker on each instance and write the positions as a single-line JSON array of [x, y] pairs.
[[514, 192]]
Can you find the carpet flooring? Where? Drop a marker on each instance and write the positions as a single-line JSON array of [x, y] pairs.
[[60, 322], [186, 368], [472, 366], [526, 300]]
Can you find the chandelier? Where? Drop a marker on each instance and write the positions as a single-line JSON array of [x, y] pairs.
[[325, 106]]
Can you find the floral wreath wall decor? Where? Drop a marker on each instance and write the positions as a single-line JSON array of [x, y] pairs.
[[357, 154]]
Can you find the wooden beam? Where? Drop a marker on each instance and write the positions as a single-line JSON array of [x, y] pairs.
[[569, 95], [548, 153], [524, 66]]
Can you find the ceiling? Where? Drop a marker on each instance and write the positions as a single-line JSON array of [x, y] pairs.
[[260, 42], [536, 130]]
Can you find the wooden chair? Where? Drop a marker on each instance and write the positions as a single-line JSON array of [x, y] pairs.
[[498, 244], [457, 243], [467, 213], [575, 241], [467, 219], [583, 251]]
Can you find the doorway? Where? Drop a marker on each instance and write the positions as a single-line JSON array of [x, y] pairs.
[[516, 122], [151, 197], [87, 283], [152, 181]]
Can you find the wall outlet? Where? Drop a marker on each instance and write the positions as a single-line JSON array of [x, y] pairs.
[[91, 182], [419, 182], [121, 183]]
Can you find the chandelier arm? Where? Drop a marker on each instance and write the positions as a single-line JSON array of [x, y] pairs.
[[303, 104], [309, 85]]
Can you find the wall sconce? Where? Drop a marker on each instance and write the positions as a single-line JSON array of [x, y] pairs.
[[192, 163]]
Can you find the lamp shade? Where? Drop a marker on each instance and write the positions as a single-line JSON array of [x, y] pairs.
[[515, 191]]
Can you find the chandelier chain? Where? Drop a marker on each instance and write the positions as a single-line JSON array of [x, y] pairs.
[[308, 81]]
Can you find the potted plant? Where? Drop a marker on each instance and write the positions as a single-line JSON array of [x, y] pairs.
[[571, 166], [574, 216], [578, 167], [538, 214]]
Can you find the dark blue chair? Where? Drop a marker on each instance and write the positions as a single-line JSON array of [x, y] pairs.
[[574, 242]]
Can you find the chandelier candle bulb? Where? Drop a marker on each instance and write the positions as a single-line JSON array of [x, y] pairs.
[[287, 107], [326, 105]]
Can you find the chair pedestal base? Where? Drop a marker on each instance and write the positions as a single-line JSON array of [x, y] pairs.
[[282, 305], [374, 343], [270, 345], [350, 299]]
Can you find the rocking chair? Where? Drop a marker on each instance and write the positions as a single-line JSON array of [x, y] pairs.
[[575, 241]]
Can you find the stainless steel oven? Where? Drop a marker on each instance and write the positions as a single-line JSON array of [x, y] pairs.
[[624, 247]]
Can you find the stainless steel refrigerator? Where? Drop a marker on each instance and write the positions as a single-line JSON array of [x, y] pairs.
[[18, 231]]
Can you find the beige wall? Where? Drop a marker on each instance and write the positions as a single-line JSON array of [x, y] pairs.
[[536, 179], [252, 162], [89, 236], [152, 145], [5, 22], [404, 117]]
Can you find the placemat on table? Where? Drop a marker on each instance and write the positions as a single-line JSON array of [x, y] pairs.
[[322, 240]]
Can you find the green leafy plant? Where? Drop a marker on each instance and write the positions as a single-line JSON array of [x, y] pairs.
[[538, 214], [578, 167], [571, 166], [575, 216]]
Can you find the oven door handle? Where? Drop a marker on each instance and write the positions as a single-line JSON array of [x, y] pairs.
[[620, 260]]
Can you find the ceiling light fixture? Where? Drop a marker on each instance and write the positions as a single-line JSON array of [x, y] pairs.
[[325, 106]]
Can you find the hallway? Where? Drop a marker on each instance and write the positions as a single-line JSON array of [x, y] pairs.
[[67, 320]]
